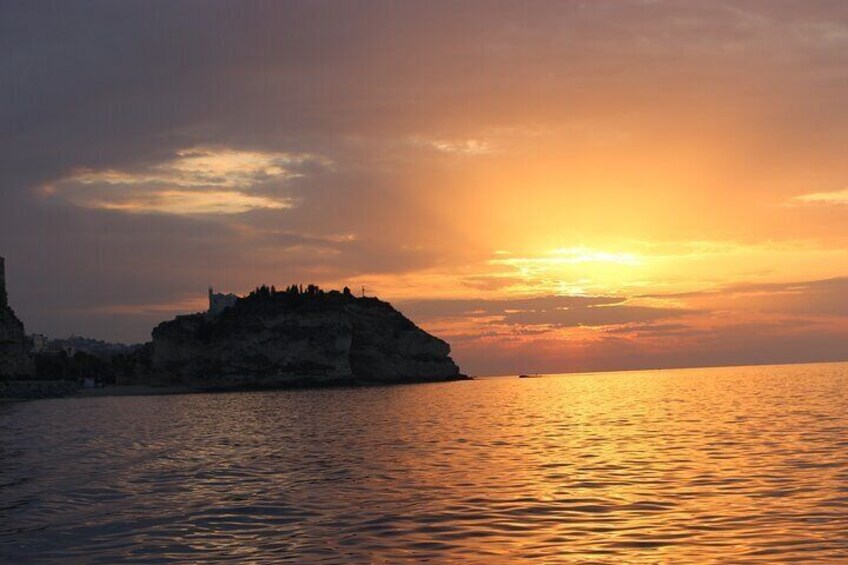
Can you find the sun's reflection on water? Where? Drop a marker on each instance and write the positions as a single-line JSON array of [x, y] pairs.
[[743, 465]]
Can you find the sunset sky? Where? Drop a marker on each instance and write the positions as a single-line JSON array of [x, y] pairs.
[[548, 186]]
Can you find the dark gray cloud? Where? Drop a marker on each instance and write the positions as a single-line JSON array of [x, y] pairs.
[[554, 311], [464, 308], [100, 83], [755, 288], [824, 297], [594, 316], [649, 329]]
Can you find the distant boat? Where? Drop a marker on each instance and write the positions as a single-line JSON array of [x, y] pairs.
[[530, 376]]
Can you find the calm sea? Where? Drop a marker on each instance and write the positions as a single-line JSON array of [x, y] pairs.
[[730, 465]]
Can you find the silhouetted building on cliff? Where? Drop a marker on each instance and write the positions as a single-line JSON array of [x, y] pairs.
[[219, 302]]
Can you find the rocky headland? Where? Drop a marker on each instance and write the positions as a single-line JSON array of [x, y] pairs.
[[268, 339], [292, 338]]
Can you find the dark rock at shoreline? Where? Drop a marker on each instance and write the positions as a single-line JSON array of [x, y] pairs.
[[15, 361], [33, 389], [284, 339]]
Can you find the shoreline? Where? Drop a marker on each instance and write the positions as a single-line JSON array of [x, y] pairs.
[[46, 390], [41, 391], [131, 390]]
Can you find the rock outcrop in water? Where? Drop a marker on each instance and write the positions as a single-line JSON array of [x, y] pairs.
[[15, 361], [296, 338]]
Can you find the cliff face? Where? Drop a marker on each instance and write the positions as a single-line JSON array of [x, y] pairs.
[[387, 346], [15, 361], [298, 340]]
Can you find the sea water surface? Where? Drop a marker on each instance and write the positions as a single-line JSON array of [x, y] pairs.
[[729, 465]]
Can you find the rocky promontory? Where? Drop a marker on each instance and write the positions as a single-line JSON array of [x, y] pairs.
[[294, 337]]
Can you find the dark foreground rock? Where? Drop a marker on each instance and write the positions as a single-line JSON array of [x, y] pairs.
[[32, 389], [15, 361], [289, 339]]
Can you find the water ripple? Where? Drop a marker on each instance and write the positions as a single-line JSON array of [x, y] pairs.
[[741, 465]]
